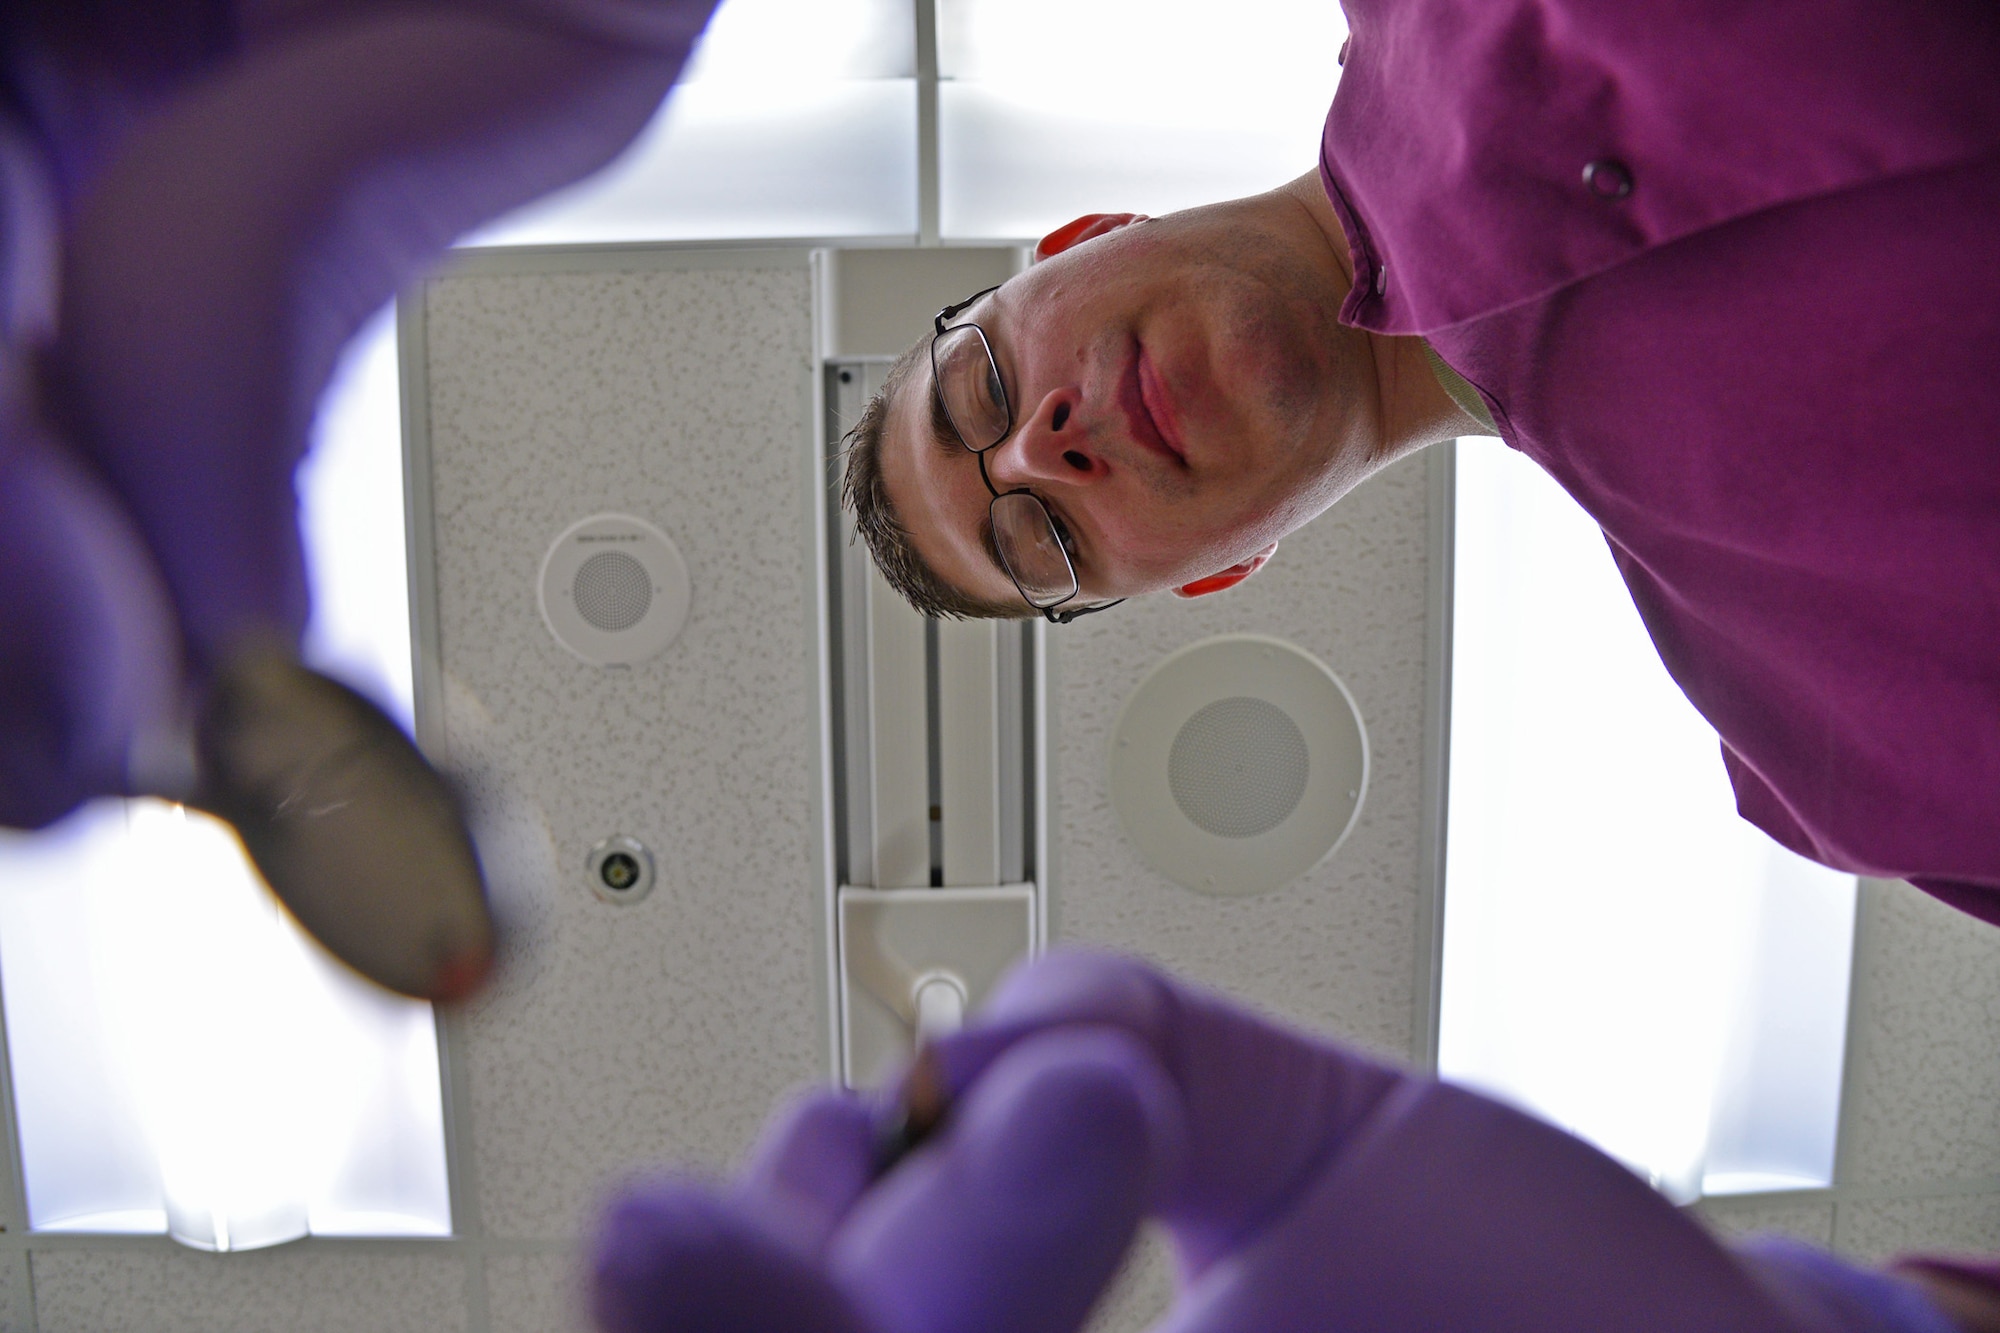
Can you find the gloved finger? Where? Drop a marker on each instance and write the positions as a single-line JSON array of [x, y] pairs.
[[1016, 1216], [89, 653], [1265, 1104], [815, 1159], [672, 1257], [1451, 1211]]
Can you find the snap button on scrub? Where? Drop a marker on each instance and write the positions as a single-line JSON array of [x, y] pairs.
[[1381, 278], [1608, 178]]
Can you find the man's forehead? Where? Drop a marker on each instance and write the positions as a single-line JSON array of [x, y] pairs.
[[906, 427]]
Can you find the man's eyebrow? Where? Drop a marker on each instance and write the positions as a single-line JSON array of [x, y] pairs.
[[990, 545], [943, 434]]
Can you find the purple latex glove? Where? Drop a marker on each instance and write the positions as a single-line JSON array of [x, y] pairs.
[[89, 653], [200, 202], [1014, 1222], [1303, 1187], [88, 648], [245, 227]]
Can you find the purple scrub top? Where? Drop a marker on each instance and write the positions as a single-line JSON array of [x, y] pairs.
[[1730, 274]]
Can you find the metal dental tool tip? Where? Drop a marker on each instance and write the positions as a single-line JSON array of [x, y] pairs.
[[359, 837], [921, 1106]]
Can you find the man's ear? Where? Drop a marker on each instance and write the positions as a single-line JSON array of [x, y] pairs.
[[1083, 229], [1229, 577]]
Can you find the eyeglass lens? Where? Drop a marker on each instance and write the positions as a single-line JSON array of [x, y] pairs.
[[969, 384], [1031, 550]]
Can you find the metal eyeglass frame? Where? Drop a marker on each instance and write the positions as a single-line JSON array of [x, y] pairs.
[[1049, 612]]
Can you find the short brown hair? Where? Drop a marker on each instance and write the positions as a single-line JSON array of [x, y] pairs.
[[862, 490]]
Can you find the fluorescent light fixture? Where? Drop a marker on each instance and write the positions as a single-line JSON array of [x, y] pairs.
[[1048, 109], [1623, 954], [799, 118], [184, 1059], [351, 513], [794, 118]]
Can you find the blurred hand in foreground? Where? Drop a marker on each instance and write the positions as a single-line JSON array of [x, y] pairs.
[[1302, 1186]]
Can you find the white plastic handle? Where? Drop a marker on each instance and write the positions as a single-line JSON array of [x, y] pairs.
[[940, 1005]]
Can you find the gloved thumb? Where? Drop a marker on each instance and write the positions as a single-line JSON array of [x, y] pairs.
[[1016, 1216], [1266, 1106]]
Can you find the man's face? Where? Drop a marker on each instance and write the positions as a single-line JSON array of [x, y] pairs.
[[1182, 397]]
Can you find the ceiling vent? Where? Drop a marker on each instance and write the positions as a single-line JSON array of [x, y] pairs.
[[614, 590], [1238, 764]]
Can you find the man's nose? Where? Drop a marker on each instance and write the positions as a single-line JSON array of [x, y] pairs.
[[1050, 447]]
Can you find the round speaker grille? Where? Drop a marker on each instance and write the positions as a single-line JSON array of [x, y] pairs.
[[1238, 767], [1238, 764], [613, 591]]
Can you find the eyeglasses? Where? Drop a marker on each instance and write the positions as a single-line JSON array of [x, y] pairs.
[[1033, 544]]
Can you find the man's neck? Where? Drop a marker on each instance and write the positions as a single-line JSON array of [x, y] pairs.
[[1414, 408]]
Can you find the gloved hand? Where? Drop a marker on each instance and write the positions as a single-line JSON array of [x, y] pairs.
[[226, 193], [1303, 1187]]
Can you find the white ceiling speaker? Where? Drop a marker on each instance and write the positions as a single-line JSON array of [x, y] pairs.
[[614, 590], [1238, 764]]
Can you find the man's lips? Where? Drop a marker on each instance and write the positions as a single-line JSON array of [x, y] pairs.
[[1143, 397]]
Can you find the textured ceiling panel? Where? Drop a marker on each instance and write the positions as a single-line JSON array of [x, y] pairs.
[[1923, 1089], [661, 1031], [1337, 949], [167, 1289]]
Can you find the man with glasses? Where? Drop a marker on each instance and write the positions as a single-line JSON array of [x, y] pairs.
[[1106, 457], [1763, 362]]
